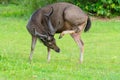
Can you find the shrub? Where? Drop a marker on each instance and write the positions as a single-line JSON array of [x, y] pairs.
[[104, 8]]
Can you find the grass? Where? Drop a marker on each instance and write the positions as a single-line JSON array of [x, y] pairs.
[[13, 10], [101, 58]]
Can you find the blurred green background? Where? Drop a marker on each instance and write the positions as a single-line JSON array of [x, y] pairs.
[[103, 8]]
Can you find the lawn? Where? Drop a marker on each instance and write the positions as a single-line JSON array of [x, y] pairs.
[[101, 58]]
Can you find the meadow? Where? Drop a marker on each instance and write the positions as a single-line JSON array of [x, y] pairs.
[[101, 57]]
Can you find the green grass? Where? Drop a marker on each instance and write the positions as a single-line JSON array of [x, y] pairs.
[[101, 58], [13, 10]]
